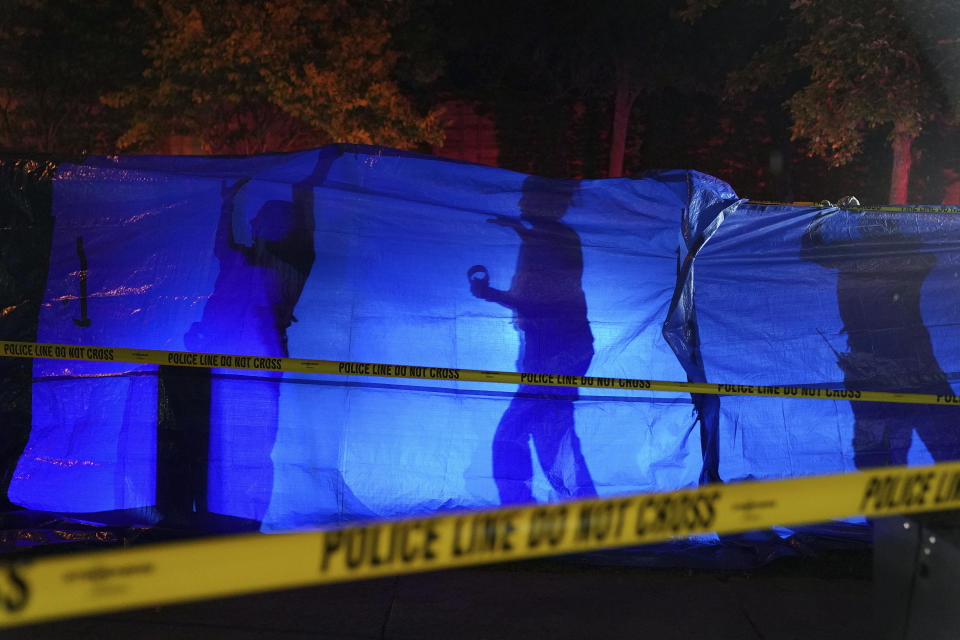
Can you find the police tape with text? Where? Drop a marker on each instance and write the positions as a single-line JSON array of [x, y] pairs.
[[100, 581], [379, 370]]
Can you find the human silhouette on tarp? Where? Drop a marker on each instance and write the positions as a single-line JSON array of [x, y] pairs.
[[550, 313], [248, 312], [880, 272], [258, 285]]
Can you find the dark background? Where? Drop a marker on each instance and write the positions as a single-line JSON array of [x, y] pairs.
[[787, 101]]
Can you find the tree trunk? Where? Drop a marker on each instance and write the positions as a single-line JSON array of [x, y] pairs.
[[591, 135], [623, 100], [900, 176], [951, 191], [779, 121]]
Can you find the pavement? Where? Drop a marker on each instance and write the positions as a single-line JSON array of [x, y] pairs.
[[823, 596]]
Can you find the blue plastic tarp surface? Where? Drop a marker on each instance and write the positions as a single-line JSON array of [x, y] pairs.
[[848, 299], [363, 254]]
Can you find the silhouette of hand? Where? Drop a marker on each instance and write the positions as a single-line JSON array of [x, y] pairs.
[[505, 221], [479, 279]]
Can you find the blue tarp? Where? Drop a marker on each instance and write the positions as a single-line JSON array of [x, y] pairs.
[[365, 254], [848, 299]]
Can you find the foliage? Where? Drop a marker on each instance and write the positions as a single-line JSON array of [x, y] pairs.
[[57, 57], [272, 75], [864, 67], [865, 71]]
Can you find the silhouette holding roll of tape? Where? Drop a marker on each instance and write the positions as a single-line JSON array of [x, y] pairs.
[[550, 314]]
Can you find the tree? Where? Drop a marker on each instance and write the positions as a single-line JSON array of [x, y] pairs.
[[249, 77], [501, 57], [546, 64], [619, 51], [865, 69], [57, 57]]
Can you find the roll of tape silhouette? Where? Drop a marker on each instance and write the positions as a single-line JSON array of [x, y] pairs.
[[478, 273]]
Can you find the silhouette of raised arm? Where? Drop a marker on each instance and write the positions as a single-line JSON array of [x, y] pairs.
[[225, 241]]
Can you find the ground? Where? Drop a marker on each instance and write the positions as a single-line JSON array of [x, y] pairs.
[[825, 595]]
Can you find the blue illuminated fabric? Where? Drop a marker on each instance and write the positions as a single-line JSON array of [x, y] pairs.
[[836, 298], [365, 254]]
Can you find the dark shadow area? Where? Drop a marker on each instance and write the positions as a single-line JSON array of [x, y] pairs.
[[26, 234], [183, 443]]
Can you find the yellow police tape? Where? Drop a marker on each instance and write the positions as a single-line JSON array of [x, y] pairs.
[[101, 581], [904, 209], [377, 370], [886, 208]]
